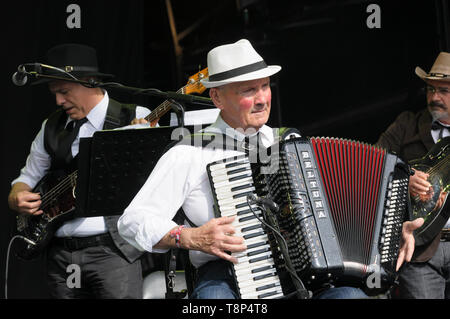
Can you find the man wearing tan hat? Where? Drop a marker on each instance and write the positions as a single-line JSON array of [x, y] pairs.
[[239, 82], [411, 136]]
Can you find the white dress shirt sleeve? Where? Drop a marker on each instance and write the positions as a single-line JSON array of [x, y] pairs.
[[38, 162], [141, 112], [148, 218]]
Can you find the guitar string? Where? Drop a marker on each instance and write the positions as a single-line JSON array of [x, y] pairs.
[[443, 162], [439, 165], [161, 109], [437, 168], [60, 188]]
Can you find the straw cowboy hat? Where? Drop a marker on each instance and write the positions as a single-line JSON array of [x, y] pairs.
[[234, 63], [78, 60], [440, 69]]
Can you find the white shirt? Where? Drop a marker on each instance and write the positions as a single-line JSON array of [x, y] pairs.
[[179, 179], [39, 161], [435, 133]]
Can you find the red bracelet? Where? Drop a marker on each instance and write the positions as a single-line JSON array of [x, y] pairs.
[[176, 233]]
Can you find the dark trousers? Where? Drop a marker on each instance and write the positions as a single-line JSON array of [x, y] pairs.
[[215, 281], [98, 271], [427, 280]]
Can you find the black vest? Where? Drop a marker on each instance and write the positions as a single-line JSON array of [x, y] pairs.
[[117, 115]]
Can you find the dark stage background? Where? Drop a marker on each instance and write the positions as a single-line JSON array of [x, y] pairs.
[[339, 78]]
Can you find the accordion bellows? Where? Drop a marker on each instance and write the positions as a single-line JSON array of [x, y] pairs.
[[367, 198]]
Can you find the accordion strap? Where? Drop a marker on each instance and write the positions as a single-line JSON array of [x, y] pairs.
[[219, 140]]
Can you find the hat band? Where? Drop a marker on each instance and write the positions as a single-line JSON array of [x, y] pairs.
[[438, 75], [238, 71], [69, 68]]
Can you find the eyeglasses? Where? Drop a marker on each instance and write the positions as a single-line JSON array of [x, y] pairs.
[[442, 91]]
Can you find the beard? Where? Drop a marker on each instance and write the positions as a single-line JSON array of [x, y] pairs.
[[438, 110]]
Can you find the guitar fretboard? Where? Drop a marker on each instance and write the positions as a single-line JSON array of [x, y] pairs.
[[162, 109]]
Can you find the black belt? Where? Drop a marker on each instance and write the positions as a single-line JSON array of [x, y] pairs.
[[75, 243], [445, 234]]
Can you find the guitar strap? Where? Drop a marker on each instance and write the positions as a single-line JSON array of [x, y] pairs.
[[118, 115]]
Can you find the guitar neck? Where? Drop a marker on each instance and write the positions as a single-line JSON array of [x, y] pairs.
[[162, 108]]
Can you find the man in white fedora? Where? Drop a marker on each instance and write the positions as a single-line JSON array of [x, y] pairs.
[[239, 83], [411, 136], [240, 87]]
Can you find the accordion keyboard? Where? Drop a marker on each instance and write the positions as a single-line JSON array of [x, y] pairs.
[[255, 272]]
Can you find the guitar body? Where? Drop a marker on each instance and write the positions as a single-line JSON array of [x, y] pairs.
[[58, 205], [433, 207]]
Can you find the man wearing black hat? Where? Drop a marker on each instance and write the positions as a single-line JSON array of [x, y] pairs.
[[411, 136], [110, 267]]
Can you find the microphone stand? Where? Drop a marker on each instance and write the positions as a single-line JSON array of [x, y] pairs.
[[300, 289], [169, 95], [269, 220], [176, 99]]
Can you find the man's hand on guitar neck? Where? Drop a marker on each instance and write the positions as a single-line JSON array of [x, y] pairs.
[[144, 121], [139, 121], [22, 200]]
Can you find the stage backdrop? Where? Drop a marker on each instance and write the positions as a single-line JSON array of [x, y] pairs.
[[347, 68]]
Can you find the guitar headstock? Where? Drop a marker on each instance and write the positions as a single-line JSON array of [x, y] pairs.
[[193, 85]]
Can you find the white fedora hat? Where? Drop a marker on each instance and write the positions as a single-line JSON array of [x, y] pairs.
[[234, 63], [440, 69]]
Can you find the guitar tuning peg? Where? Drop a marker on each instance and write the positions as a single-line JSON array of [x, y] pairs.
[[201, 76]]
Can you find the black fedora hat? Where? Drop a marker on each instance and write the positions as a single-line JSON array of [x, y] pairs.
[[77, 60]]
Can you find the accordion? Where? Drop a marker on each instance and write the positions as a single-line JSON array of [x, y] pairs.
[[341, 206]]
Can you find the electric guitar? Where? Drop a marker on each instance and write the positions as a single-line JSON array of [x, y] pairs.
[[57, 191], [192, 86], [432, 207]]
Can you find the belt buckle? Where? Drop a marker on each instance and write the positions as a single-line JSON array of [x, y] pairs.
[[445, 234], [69, 243]]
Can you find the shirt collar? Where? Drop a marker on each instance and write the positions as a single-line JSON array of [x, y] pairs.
[[98, 113], [220, 126], [440, 123]]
